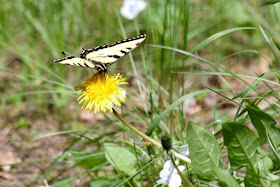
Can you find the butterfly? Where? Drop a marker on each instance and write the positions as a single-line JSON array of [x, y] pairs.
[[102, 56]]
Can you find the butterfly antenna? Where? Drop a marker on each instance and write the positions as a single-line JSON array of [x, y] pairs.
[[64, 53], [82, 49]]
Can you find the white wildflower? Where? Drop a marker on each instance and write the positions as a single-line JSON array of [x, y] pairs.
[[169, 175], [131, 8]]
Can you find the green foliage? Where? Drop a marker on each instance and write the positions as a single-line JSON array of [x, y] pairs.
[[244, 151], [89, 160], [204, 151], [22, 123], [170, 108], [103, 183], [244, 148], [271, 2], [271, 132], [68, 182], [265, 125], [121, 158], [224, 177], [242, 145]]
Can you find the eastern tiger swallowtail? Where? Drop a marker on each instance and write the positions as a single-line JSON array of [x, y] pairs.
[[102, 56]]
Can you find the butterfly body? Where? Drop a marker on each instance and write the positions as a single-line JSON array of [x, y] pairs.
[[102, 56]]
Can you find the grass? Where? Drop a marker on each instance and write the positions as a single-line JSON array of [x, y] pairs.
[[223, 55]]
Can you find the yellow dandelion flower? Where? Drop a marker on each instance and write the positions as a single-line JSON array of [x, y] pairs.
[[101, 92]]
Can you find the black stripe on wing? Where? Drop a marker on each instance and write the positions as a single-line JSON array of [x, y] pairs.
[[114, 56], [62, 59], [86, 51]]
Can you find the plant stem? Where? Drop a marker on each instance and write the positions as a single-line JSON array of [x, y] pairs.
[[186, 181], [181, 157], [149, 139], [144, 136]]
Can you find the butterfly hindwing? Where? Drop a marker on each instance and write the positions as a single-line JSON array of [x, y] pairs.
[[75, 61]]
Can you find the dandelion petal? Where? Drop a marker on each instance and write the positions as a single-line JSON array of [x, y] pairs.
[[101, 92]]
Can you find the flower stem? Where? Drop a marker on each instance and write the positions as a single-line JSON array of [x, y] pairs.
[[186, 181], [144, 136], [181, 157], [149, 139]]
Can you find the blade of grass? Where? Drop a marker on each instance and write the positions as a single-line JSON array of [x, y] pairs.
[[170, 108]]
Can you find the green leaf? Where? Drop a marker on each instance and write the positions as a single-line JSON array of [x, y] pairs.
[[267, 39], [275, 158], [89, 160], [258, 122], [242, 144], [271, 2], [204, 151], [277, 45], [266, 127], [265, 164], [103, 183], [251, 87], [224, 177], [68, 182], [278, 77], [242, 147], [251, 179], [264, 167], [218, 35], [120, 157]]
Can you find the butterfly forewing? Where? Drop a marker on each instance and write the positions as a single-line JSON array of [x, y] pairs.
[[111, 53]]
